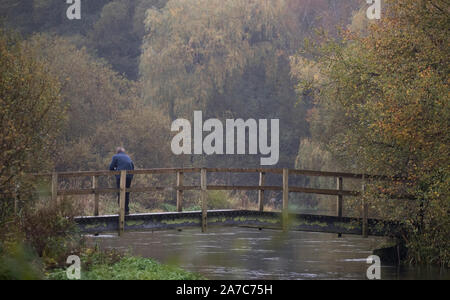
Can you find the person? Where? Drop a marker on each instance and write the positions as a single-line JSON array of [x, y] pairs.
[[121, 161]]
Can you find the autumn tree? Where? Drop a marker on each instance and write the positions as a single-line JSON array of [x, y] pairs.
[[382, 106], [31, 113], [104, 110]]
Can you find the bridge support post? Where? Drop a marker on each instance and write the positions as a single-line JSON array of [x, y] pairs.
[[204, 198], [285, 212], [179, 192], [261, 192], [340, 200], [365, 211], [54, 188], [123, 178], [96, 194]]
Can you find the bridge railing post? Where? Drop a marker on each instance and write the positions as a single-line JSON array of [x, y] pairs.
[[365, 210], [179, 191], [285, 211], [204, 199], [123, 178], [96, 194], [261, 192], [340, 199]]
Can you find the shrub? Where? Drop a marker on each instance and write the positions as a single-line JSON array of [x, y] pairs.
[[52, 232]]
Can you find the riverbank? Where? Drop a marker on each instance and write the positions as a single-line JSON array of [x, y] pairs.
[[113, 266]]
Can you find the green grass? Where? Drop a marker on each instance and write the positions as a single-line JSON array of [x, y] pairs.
[[130, 268]]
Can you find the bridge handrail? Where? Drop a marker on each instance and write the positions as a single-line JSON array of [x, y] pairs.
[[223, 170]]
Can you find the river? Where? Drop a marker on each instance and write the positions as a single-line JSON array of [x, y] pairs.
[[247, 253]]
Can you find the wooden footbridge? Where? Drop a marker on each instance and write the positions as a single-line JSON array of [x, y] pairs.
[[204, 218]]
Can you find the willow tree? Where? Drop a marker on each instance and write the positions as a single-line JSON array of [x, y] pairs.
[[227, 58], [193, 48]]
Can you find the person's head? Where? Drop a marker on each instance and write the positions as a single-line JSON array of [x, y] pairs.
[[120, 150]]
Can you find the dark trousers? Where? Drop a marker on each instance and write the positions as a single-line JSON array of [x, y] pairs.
[[127, 195]]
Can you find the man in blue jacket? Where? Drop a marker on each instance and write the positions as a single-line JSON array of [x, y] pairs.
[[121, 161]]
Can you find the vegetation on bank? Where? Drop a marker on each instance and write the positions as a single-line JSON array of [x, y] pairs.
[[104, 266], [37, 244], [22, 263]]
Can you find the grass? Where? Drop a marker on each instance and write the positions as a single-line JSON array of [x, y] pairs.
[[127, 268]]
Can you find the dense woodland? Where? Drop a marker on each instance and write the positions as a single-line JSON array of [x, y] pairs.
[[171, 60], [351, 94]]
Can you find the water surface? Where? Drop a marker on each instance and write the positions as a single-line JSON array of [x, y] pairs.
[[247, 253]]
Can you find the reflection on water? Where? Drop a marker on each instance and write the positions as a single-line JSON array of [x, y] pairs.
[[246, 253]]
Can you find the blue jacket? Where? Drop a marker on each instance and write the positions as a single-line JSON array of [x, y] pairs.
[[121, 161]]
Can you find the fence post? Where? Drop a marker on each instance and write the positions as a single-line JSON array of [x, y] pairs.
[[54, 188], [123, 178], [96, 194], [365, 211], [340, 199], [204, 198], [261, 192], [179, 192], [285, 212]]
